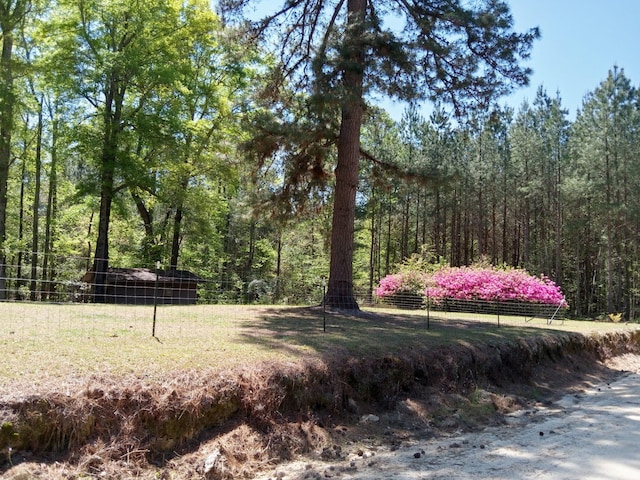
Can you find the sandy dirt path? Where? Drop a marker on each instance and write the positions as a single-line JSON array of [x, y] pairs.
[[591, 435]]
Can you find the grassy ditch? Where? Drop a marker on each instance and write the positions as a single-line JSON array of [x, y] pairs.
[[257, 385]]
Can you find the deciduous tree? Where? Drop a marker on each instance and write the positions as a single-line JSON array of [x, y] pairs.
[[118, 57], [12, 14]]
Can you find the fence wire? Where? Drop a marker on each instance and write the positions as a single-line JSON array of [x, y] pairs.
[[507, 312], [66, 296], [72, 280]]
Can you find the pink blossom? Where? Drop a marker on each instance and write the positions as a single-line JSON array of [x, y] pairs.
[[407, 282], [468, 283], [472, 283]]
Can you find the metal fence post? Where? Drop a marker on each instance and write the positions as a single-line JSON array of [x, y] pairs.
[[155, 300]]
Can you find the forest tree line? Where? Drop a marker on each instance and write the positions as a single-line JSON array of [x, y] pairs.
[[526, 188], [140, 113]]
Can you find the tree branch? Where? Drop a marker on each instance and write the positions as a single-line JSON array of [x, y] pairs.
[[398, 171]]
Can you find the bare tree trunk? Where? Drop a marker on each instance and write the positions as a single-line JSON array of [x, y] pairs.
[[609, 262], [278, 287], [494, 229], [6, 127], [101, 256], [52, 207], [505, 224], [372, 246], [340, 289], [112, 117], [438, 226], [19, 282], [36, 210], [558, 219], [175, 240], [416, 243], [387, 255], [404, 238]]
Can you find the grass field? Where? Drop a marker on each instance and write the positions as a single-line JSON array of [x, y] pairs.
[[94, 382], [44, 343]]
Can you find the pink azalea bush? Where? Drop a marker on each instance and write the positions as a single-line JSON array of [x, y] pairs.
[[402, 283], [511, 285], [405, 289], [474, 283]]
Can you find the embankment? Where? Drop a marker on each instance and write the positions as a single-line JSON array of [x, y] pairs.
[[264, 413]]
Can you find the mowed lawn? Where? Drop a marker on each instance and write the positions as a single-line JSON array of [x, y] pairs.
[[41, 344]]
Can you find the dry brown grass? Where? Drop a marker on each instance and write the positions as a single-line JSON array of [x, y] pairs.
[[244, 381]]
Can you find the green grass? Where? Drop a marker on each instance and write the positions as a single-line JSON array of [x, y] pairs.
[[41, 343]]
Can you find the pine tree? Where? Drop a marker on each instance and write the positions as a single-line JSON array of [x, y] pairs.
[[604, 151], [338, 52]]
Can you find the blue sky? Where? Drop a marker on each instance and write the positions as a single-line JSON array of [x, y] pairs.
[[581, 40]]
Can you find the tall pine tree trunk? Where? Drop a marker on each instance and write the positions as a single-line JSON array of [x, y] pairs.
[[6, 127], [387, 255], [112, 118], [340, 289], [404, 250], [372, 245], [36, 210], [609, 262]]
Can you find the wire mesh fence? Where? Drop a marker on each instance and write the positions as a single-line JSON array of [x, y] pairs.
[[71, 297], [62, 295], [500, 312], [73, 280]]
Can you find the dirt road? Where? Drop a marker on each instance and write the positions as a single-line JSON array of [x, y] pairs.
[[594, 434]]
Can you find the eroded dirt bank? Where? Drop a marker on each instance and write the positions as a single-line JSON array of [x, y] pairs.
[[590, 434], [205, 424]]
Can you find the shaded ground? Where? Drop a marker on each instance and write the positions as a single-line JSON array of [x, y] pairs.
[[208, 423]]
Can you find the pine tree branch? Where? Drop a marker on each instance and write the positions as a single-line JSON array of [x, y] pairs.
[[400, 172]]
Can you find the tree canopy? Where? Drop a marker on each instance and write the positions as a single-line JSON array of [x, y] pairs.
[[253, 153], [338, 52]]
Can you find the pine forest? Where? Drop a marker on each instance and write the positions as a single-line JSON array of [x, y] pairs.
[[146, 134]]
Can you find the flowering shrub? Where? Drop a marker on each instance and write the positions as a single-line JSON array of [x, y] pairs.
[[404, 289], [515, 285], [402, 283], [472, 283]]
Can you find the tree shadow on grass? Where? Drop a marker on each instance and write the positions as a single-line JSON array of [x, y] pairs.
[[313, 331]]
